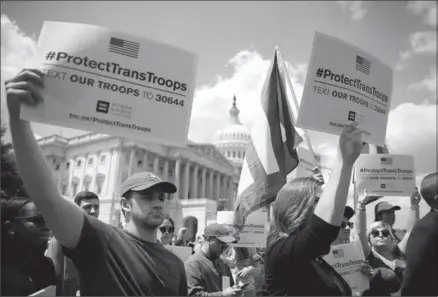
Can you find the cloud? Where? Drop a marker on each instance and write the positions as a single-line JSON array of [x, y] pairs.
[[427, 84], [420, 43], [212, 102], [425, 9], [354, 7], [412, 131], [18, 51]]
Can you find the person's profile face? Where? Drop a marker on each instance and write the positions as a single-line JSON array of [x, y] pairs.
[[91, 207], [388, 216], [29, 226], [344, 231]]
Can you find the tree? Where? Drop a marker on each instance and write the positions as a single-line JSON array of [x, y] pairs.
[[11, 183]]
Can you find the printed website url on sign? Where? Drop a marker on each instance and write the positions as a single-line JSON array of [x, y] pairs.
[[108, 123]]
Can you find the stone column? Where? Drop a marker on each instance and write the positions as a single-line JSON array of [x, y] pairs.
[[230, 193], [131, 161], [203, 182], [194, 190], [156, 168], [176, 177], [108, 174], [81, 184], [93, 181], [166, 170], [218, 186], [145, 161], [186, 174], [210, 185], [70, 176]]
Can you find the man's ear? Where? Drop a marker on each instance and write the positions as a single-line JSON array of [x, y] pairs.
[[125, 205], [9, 227]]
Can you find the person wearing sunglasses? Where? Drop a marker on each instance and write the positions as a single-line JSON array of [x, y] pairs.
[[382, 251], [166, 230], [206, 270], [24, 268], [110, 261]]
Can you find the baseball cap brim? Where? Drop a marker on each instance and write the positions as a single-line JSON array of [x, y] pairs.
[[167, 187], [392, 207], [227, 239]]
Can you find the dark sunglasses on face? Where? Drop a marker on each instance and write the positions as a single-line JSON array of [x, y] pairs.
[[345, 224], [166, 229], [376, 233], [37, 220]]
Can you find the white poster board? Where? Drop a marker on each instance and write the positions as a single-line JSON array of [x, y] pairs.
[[111, 82], [49, 291], [385, 175], [254, 234], [307, 163], [183, 252], [345, 84], [346, 259]]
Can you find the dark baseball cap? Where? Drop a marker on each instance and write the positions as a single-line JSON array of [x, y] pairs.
[[219, 231], [383, 206], [145, 180], [348, 212]]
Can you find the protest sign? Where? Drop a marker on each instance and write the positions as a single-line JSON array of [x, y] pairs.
[[307, 163], [346, 259], [345, 84], [385, 175], [110, 82], [255, 232], [183, 252], [49, 291]]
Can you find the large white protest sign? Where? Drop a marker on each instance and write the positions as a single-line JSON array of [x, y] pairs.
[[346, 259], [110, 82], [49, 291], [307, 163], [255, 232], [385, 175], [183, 252], [345, 84]]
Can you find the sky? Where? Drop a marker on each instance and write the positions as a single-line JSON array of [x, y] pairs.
[[236, 40]]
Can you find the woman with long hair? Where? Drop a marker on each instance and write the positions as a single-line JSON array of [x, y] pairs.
[[382, 250], [24, 268], [305, 222], [166, 230]]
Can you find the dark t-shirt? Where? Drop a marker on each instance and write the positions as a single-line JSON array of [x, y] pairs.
[[293, 265], [204, 276], [112, 262]]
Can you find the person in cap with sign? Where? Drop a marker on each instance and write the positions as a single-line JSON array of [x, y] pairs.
[[205, 270], [385, 212], [110, 261]]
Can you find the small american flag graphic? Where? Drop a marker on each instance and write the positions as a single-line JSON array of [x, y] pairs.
[[124, 47], [363, 65], [386, 161], [338, 253]]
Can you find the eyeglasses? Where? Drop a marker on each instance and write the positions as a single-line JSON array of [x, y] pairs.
[[37, 220], [164, 229], [376, 233], [345, 224]]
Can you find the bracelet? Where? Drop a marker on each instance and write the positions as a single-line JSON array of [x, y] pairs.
[[416, 207], [361, 208]]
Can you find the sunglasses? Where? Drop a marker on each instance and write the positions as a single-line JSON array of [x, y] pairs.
[[37, 220], [376, 233], [164, 229], [345, 224]]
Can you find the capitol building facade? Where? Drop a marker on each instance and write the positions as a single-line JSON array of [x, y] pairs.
[[206, 175]]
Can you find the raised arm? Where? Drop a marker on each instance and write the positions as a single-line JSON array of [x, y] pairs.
[[331, 205], [361, 222], [63, 217], [413, 218]]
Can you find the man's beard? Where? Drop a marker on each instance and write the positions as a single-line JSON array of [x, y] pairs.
[[145, 222]]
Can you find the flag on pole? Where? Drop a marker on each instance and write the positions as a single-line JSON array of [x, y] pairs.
[[271, 154]]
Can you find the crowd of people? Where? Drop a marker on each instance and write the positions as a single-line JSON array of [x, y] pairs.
[[49, 240]]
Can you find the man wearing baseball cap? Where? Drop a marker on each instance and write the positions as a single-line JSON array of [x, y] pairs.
[[205, 270]]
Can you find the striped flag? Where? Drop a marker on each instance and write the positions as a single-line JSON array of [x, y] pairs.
[[363, 65], [271, 154], [124, 47]]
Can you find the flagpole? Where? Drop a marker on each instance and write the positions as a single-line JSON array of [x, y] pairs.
[[294, 99]]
